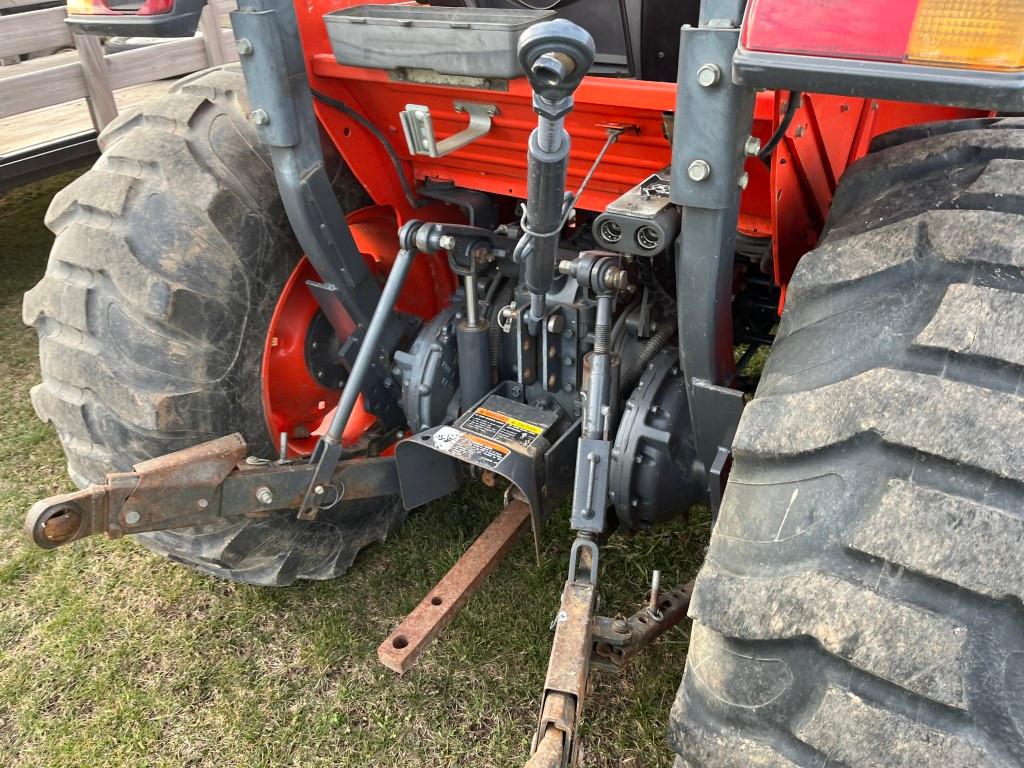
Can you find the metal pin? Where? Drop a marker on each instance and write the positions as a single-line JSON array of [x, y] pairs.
[[283, 448], [653, 608]]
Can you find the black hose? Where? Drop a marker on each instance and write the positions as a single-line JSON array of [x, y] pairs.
[[765, 154], [649, 351], [345, 109]]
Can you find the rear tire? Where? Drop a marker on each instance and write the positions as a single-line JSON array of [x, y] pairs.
[[861, 603], [169, 257]]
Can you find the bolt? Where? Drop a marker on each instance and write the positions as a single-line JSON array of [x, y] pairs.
[[620, 626], [203, 503], [260, 117], [319, 490], [565, 267], [753, 147], [131, 517], [744, 180], [446, 242], [556, 324], [264, 495], [243, 46], [699, 170], [709, 75], [568, 387]]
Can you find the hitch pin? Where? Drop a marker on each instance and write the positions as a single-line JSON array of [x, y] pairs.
[[653, 608]]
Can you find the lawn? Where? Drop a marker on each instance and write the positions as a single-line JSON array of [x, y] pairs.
[[112, 656]]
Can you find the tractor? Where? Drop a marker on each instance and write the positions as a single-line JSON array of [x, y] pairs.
[[618, 257]]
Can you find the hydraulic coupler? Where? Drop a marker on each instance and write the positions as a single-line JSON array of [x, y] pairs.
[[556, 55]]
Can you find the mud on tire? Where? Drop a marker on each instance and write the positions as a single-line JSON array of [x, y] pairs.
[[169, 257], [861, 600]]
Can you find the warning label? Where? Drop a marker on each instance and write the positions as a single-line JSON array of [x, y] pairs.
[[498, 426], [469, 448]]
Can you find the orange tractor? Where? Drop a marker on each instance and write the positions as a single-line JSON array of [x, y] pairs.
[[406, 246]]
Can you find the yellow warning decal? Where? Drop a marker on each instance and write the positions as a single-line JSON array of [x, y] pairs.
[[523, 425]]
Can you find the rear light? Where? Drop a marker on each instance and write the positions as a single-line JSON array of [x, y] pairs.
[[976, 34], [982, 34], [118, 7]]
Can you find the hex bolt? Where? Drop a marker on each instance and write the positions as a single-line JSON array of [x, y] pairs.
[[319, 490], [131, 517], [556, 324], [744, 180], [753, 147], [264, 495], [620, 625], [653, 608], [446, 242], [260, 117], [243, 46], [699, 170], [203, 503], [565, 266], [709, 75]]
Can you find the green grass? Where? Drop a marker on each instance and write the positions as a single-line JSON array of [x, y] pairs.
[[112, 656]]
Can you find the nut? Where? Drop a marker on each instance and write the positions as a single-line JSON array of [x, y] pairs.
[[264, 495], [131, 517], [753, 147], [260, 117], [243, 46]]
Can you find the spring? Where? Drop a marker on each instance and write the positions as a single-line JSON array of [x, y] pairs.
[[649, 351]]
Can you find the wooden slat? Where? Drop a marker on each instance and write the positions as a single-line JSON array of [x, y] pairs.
[[156, 62], [55, 85], [213, 43], [33, 31], [42, 88], [100, 95]]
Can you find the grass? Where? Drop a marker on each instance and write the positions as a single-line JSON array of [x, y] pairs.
[[112, 656]]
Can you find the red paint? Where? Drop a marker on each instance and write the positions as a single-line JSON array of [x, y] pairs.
[[789, 202], [866, 29], [293, 400]]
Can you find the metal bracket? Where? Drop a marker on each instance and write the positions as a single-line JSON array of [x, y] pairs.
[[205, 483], [419, 128]]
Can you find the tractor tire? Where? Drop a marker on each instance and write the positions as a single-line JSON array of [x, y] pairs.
[[169, 257], [861, 602]]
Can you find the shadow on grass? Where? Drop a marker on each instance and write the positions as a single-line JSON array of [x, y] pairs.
[[111, 656]]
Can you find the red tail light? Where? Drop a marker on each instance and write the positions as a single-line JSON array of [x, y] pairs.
[[977, 34], [118, 8]]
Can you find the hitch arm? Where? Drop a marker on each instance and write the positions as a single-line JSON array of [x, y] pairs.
[[197, 486]]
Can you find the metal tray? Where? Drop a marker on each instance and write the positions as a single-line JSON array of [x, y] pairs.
[[472, 42]]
